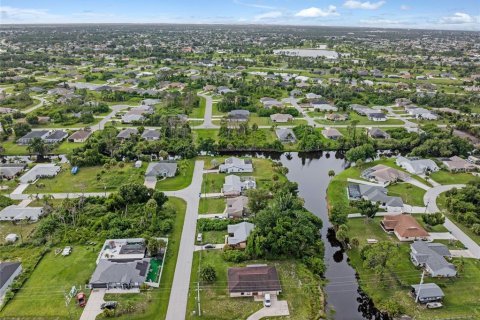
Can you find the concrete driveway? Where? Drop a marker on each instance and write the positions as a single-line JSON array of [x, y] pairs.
[[442, 236], [218, 246], [277, 309], [92, 309]]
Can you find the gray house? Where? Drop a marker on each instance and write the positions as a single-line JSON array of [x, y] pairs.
[[431, 257], [236, 207], [164, 169], [26, 139], [56, 136], [8, 271], [377, 133], [238, 115], [151, 134], [11, 170], [126, 134], [45, 170], [427, 292], [16, 213], [286, 135], [124, 274], [238, 234], [375, 194]]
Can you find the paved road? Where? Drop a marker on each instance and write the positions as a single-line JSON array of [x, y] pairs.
[[207, 118], [294, 103], [35, 107], [177, 305], [115, 110], [430, 199]]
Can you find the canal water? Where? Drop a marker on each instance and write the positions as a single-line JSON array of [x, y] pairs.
[[345, 301]]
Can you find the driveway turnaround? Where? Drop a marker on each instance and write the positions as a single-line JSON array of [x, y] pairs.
[[177, 305], [92, 309]]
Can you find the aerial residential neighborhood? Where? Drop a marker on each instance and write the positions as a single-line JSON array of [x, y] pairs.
[[225, 160]]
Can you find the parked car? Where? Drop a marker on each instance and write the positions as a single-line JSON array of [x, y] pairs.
[[267, 300], [66, 251], [199, 237], [434, 305], [110, 305], [81, 299], [209, 246]]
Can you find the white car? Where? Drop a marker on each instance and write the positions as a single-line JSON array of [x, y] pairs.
[[199, 237], [66, 251], [267, 301]]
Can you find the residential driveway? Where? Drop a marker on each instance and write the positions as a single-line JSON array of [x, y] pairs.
[[207, 118], [293, 102], [150, 182], [177, 304], [442, 236], [417, 183], [211, 216], [92, 309], [413, 209], [461, 254], [277, 309], [367, 183]]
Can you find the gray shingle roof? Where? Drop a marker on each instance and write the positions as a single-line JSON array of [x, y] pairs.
[[240, 232], [428, 290], [120, 272]]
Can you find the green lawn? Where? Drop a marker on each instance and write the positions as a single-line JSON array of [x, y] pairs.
[[13, 149], [214, 236], [266, 121], [153, 303], [337, 189], [45, 288], [461, 298], [180, 181], [445, 177], [215, 111], [89, 179], [300, 288], [409, 193], [200, 111], [212, 205], [205, 133]]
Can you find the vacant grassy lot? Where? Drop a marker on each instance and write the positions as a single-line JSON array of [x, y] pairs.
[[461, 298], [22, 229], [205, 133], [212, 205], [445, 177], [409, 193], [181, 180], [200, 111], [300, 289], [43, 293], [90, 179], [152, 304]]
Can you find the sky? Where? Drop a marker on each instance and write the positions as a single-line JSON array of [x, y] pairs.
[[418, 14]]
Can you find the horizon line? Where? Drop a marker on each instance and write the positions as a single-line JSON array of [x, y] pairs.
[[229, 24]]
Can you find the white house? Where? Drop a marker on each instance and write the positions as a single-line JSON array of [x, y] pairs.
[[236, 165], [417, 166]]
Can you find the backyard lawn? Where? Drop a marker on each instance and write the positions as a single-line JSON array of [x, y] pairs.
[[152, 304], [42, 295], [182, 180], [89, 179]]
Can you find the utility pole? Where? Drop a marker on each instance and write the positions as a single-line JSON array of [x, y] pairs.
[[198, 298], [420, 287]]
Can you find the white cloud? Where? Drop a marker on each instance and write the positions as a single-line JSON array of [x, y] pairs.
[[354, 4], [379, 22], [12, 15], [268, 15], [458, 18], [314, 12], [405, 7], [253, 5]]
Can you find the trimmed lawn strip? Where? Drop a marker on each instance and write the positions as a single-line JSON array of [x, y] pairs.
[[445, 177]]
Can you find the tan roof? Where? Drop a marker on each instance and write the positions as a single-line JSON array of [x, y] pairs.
[[404, 225], [385, 173]]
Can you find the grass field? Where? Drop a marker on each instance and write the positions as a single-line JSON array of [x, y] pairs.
[[180, 181], [89, 179], [45, 288], [409, 193], [461, 298], [13, 149], [211, 205], [23, 230], [152, 304], [205, 133], [200, 111], [445, 177]]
